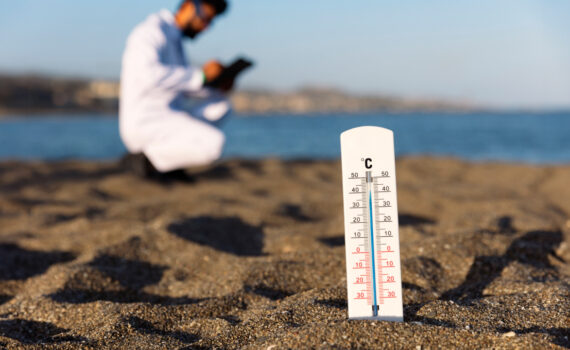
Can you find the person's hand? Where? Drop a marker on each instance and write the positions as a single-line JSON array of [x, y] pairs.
[[212, 69]]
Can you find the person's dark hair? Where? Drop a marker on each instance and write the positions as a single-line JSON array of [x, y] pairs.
[[219, 5]]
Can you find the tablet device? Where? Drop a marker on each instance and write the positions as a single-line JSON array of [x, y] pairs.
[[230, 72]]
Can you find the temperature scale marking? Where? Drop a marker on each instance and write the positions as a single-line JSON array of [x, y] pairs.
[[371, 224]]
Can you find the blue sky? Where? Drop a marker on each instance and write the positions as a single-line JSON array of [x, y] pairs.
[[508, 53]]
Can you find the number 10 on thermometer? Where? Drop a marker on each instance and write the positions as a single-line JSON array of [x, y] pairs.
[[371, 224]]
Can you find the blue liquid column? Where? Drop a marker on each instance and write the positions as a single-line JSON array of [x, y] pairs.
[[372, 250]]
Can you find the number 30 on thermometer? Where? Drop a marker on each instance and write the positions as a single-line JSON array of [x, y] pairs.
[[371, 224]]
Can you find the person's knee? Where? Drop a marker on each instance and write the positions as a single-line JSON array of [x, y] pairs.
[[199, 145], [216, 111], [215, 147]]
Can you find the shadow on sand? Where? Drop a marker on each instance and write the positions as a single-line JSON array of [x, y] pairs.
[[533, 248], [64, 175], [146, 327], [112, 278], [35, 332], [18, 264], [230, 235]]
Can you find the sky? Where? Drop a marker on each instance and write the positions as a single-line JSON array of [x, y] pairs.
[[498, 53]]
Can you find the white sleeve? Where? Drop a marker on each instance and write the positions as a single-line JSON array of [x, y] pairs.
[[142, 59], [214, 108]]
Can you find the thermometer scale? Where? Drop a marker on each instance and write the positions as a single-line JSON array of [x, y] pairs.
[[371, 224]]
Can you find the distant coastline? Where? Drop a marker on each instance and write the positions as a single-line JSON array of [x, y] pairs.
[[36, 94]]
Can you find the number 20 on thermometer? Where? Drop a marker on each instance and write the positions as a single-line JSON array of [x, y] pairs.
[[371, 224]]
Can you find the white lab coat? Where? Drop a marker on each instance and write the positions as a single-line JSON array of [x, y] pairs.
[[155, 116]]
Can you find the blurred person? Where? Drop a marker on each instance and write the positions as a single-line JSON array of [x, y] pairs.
[[163, 132]]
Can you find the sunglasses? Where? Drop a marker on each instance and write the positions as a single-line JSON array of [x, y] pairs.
[[200, 12]]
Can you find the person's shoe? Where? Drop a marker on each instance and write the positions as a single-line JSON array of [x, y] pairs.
[[178, 175], [139, 165]]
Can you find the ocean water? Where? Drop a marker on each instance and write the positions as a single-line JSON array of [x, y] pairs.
[[513, 137]]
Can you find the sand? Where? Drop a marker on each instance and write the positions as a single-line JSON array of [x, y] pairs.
[[251, 256]]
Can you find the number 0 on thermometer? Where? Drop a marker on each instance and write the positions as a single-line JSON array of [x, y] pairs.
[[371, 224]]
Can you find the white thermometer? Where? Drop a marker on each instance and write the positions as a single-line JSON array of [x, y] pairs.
[[371, 224]]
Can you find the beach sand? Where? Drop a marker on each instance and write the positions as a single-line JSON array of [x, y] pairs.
[[251, 255]]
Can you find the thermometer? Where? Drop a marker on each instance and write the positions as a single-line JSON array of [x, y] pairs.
[[371, 224]]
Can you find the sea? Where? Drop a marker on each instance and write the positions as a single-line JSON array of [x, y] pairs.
[[521, 137]]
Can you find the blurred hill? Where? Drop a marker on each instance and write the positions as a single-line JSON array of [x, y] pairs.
[[330, 100], [31, 94]]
